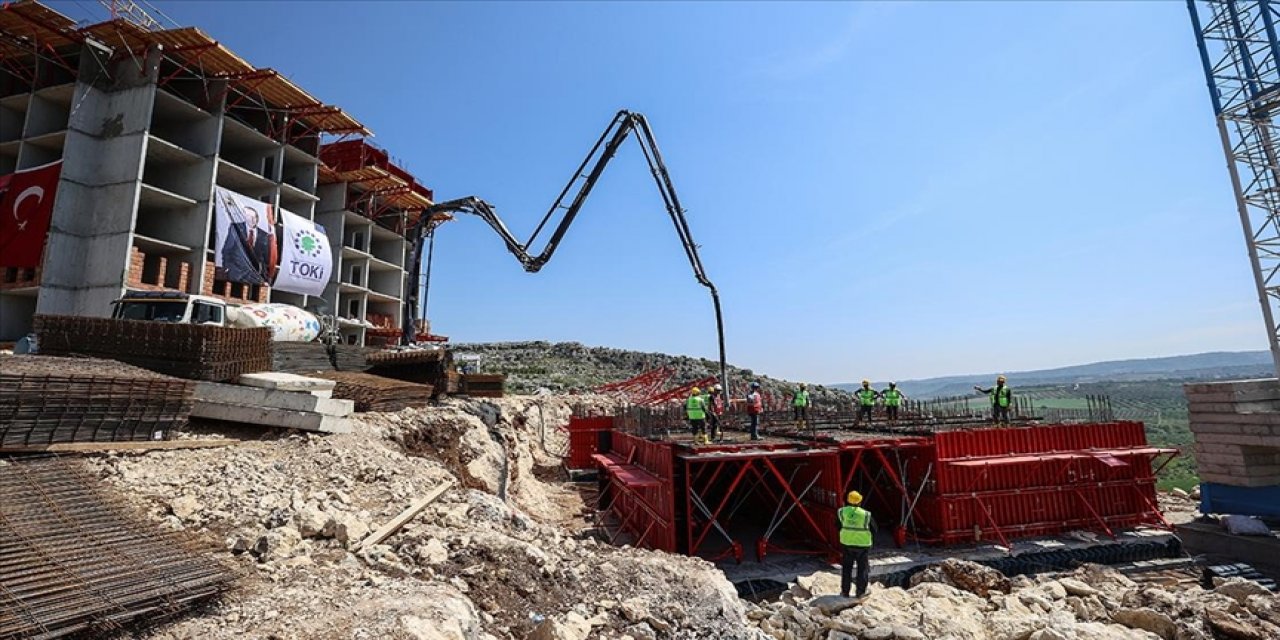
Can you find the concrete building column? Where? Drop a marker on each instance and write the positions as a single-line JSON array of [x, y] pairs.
[[93, 218]]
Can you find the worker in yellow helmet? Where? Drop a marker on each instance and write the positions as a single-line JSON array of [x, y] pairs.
[[866, 397], [695, 408], [1001, 399], [856, 529]]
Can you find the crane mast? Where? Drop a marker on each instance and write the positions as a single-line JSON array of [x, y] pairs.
[[1240, 54], [624, 124]]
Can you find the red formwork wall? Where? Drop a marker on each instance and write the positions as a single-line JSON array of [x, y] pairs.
[[999, 484], [649, 511], [584, 440]]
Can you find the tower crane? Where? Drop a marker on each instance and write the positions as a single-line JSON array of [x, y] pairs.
[[1240, 53], [624, 124]]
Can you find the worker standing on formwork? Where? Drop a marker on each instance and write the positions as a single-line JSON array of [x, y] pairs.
[[755, 407], [892, 400], [715, 407], [696, 409], [866, 402], [856, 527], [1001, 399], [800, 405]]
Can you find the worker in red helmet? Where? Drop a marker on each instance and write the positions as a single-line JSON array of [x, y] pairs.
[[856, 530]]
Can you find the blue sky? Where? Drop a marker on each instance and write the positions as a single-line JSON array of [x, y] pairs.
[[886, 190]]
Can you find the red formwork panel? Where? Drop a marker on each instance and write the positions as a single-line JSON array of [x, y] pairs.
[[651, 510], [584, 440], [1006, 515], [970, 443]]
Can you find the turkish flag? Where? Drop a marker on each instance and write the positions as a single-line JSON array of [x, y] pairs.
[[26, 208]]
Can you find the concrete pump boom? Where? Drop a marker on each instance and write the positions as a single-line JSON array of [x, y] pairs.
[[623, 125]]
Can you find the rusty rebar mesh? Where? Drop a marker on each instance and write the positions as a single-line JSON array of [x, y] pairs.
[[74, 560], [376, 393], [198, 352], [301, 357], [424, 366], [47, 400]]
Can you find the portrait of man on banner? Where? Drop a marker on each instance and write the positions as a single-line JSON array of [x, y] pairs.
[[246, 249]]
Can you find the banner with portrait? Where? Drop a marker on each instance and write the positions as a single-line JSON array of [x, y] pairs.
[[305, 259], [245, 248]]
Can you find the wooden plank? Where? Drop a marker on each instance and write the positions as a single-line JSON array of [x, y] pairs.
[[139, 445], [405, 516]]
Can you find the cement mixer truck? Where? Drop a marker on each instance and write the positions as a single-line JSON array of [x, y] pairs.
[[287, 322]]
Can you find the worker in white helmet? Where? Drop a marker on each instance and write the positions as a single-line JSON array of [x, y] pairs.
[[715, 407]]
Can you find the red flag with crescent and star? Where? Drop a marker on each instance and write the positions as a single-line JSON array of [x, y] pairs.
[[26, 208]]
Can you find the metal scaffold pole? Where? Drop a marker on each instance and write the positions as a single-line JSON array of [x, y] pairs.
[[1240, 52]]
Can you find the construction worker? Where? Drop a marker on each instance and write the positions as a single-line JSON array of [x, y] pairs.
[[892, 400], [696, 409], [715, 407], [800, 405], [866, 401], [856, 529], [1001, 399], [755, 407]]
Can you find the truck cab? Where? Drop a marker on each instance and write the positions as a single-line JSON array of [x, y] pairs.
[[170, 306]]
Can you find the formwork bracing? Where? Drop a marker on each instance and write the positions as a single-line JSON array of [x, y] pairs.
[[945, 483], [73, 563]]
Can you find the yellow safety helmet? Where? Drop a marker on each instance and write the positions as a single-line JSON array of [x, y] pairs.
[[1000, 378], [696, 391], [866, 382], [854, 497]]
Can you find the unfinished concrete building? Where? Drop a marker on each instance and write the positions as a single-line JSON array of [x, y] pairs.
[[147, 123]]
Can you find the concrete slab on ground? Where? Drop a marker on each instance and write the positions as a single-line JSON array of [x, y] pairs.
[[269, 417], [280, 381], [213, 392]]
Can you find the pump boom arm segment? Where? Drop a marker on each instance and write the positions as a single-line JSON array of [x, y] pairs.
[[624, 124]]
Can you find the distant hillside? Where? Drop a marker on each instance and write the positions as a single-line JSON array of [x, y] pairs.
[[1200, 366], [570, 366]]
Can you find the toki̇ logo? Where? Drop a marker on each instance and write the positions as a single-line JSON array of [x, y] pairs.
[[307, 243]]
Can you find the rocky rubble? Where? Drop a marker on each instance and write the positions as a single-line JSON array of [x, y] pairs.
[[505, 554], [289, 513], [960, 600]]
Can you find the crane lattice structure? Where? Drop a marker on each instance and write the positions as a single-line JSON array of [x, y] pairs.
[[1240, 54]]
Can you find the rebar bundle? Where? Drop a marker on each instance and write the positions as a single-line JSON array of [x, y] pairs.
[[483, 385], [302, 357], [376, 393], [194, 351], [46, 400], [424, 366], [74, 561]]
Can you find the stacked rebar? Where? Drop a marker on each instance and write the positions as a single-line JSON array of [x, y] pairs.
[[46, 400], [424, 366], [302, 357], [74, 562], [194, 351], [376, 393], [483, 385]]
